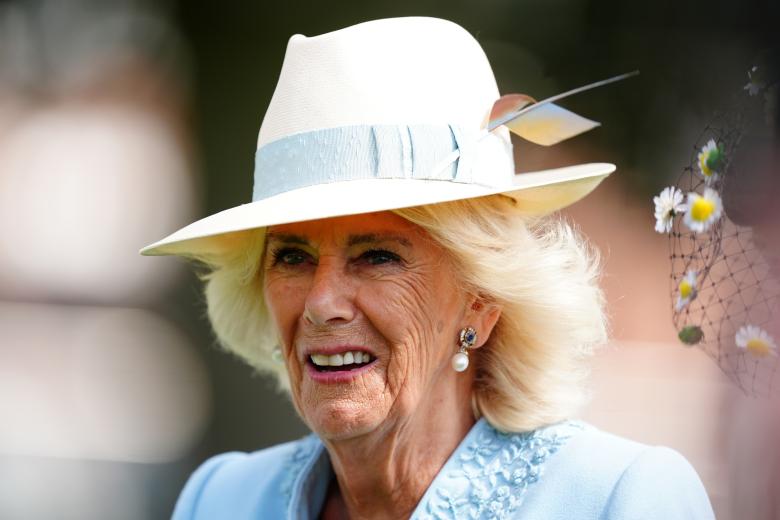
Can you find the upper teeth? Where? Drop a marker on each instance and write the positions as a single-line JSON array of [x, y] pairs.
[[337, 360]]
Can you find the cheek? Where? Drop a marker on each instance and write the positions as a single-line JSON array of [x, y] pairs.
[[285, 300], [415, 321], [397, 308]]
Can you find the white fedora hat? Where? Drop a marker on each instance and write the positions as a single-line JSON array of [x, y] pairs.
[[390, 114]]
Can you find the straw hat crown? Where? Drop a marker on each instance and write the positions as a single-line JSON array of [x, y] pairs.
[[391, 71]]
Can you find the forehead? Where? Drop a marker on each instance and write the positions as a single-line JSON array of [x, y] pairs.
[[341, 229]]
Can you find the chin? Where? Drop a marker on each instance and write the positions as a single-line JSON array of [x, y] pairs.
[[339, 420], [342, 410]]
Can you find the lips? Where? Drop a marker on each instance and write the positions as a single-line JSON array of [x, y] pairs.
[[340, 361]]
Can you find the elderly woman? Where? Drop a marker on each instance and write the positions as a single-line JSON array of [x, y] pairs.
[[402, 284]]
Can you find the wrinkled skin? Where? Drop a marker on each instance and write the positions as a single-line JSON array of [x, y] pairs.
[[377, 282]]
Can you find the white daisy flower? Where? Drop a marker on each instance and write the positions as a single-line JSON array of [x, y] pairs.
[[702, 211], [668, 204], [686, 290], [711, 160], [756, 341], [754, 84]]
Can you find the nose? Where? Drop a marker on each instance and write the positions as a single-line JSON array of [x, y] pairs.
[[331, 296]]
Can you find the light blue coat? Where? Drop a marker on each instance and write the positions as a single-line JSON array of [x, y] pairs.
[[569, 470]]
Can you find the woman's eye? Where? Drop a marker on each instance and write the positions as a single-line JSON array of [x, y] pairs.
[[290, 256], [379, 256]]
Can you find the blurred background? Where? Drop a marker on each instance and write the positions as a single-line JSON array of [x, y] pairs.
[[121, 121]]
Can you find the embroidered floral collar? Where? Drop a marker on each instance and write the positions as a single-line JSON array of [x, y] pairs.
[[486, 476]]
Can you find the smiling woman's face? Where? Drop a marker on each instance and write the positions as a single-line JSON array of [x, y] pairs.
[[368, 310]]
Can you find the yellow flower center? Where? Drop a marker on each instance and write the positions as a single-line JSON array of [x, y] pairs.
[[758, 347], [702, 209], [685, 289], [703, 164]]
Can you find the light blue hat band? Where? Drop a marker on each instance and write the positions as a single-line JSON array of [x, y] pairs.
[[430, 152]]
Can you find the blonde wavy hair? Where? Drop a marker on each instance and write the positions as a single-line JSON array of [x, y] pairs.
[[532, 370]]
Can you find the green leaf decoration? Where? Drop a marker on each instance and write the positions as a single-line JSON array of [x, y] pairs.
[[715, 159], [691, 334]]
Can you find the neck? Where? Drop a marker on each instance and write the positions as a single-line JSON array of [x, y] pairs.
[[384, 474]]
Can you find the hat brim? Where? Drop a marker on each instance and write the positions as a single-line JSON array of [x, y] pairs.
[[537, 193]]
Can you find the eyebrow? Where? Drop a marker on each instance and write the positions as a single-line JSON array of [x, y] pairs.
[[372, 238], [353, 240], [287, 238]]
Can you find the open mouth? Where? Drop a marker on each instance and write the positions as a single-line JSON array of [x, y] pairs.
[[342, 362]]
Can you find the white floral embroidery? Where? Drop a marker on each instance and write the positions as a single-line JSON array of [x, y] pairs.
[[495, 471], [487, 477]]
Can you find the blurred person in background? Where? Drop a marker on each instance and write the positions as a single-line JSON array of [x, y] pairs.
[[94, 124], [431, 323]]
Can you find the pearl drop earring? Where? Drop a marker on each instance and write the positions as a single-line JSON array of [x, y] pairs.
[[460, 361], [276, 355]]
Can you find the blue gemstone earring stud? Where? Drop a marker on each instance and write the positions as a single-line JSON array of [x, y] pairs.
[[460, 361]]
